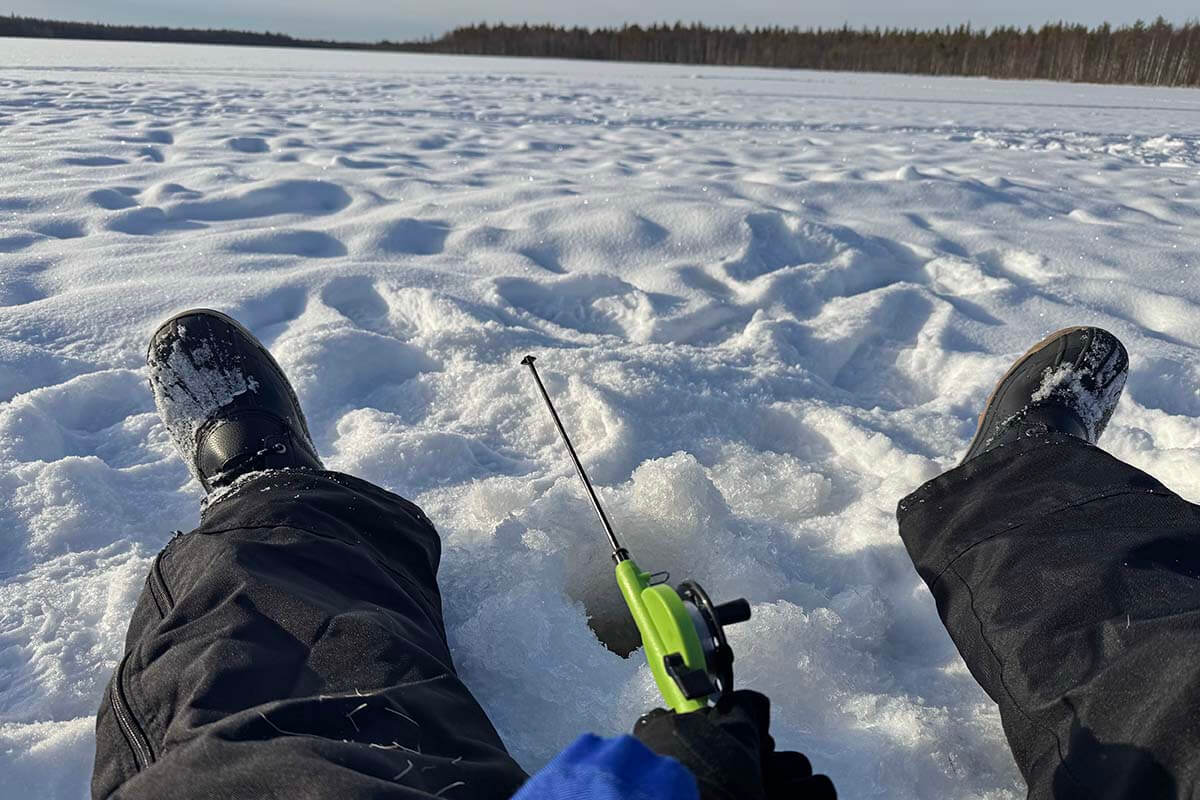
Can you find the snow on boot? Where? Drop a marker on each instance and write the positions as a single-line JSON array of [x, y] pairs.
[[1067, 383], [228, 406]]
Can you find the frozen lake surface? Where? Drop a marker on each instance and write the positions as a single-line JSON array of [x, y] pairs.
[[769, 304]]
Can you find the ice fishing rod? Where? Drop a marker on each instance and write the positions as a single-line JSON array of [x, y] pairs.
[[682, 631]]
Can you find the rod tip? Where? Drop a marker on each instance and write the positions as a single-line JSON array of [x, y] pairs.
[[527, 360]]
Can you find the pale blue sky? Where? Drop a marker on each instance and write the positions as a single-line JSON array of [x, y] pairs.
[[370, 20]]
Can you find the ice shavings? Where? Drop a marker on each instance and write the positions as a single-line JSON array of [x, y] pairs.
[[230, 489], [1063, 379]]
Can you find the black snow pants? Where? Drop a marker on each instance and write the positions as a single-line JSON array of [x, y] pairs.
[[293, 647], [1070, 583]]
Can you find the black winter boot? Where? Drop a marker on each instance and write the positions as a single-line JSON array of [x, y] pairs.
[[228, 406], [1067, 383]]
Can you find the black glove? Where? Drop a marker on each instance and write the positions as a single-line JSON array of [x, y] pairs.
[[728, 749]]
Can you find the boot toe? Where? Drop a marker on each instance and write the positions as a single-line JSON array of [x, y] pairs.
[[1072, 379], [224, 399]]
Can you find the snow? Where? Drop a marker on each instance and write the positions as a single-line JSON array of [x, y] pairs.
[[768, 304]]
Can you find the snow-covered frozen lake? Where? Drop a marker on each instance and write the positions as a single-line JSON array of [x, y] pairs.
[[769, 303]]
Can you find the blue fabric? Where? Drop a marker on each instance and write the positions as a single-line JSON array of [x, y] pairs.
[[610, 769]]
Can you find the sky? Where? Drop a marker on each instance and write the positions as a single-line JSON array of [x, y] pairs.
[[371, 20]]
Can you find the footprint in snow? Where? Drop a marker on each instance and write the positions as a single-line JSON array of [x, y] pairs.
[[248, 144]]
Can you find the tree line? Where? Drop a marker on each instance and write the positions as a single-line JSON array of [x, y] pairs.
[[1157, 53], [32, 27]]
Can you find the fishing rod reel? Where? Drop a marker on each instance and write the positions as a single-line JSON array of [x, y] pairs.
[[682, 630], [710, 621]]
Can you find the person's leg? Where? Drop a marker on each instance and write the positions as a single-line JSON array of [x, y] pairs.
[[1069, 582], [292, 645]]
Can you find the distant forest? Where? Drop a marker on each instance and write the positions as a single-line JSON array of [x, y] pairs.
[[1157, 54], [33, 28]]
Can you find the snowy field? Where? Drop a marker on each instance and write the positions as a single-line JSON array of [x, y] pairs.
[[769, 303]]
